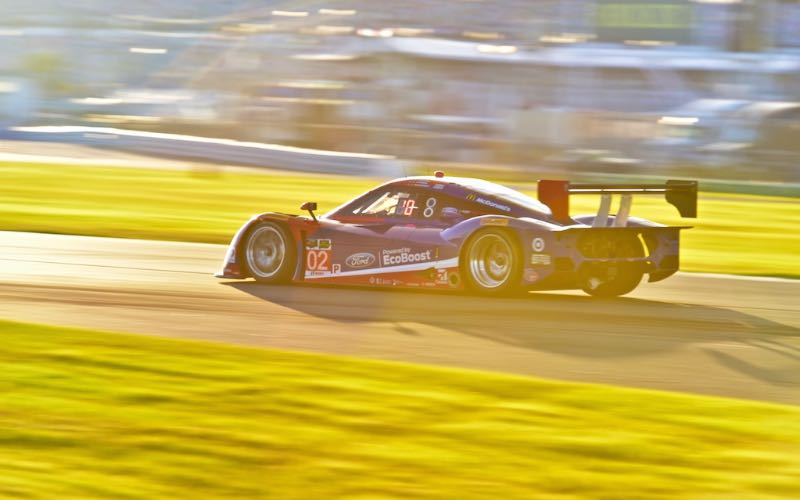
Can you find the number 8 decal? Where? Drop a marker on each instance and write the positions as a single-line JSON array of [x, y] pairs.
[[430, 205]]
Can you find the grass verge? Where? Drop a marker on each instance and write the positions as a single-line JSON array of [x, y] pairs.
[[92, 414], [741, 234]]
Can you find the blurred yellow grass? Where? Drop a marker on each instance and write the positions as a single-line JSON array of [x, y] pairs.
[[741, 234], [90, 414]]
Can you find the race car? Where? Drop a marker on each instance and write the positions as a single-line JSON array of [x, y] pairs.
[[438, 232]]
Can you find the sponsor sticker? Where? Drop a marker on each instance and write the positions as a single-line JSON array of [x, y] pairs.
[[438, 186], [314, 244], [399, 256], [494, 221], [313, 274], [359, 260], [537, 244], [531, 276], [337, 268], [441, 276], [386, 282], [540, 259], [493, 204]]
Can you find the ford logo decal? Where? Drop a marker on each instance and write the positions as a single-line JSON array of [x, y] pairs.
[[360, 260]]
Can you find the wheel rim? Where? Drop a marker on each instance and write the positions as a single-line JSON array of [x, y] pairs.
[[266, 251], [491, 260]]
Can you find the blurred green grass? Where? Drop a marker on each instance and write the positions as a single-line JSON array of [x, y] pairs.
[[740, 234], [90, 414]]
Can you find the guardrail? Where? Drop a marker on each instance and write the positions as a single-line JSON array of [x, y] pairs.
[[224, 151]]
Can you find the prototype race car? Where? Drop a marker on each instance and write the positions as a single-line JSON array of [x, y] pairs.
[[459, 233]]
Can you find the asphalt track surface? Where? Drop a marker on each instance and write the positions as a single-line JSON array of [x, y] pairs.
[[706, 334]]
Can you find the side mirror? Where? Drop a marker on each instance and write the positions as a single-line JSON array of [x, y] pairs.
[[310, 206]]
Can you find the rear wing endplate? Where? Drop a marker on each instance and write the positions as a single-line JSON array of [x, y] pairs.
[[555, 194]]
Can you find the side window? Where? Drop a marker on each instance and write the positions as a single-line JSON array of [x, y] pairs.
[[389, 203], [384, 205], [358, 206]]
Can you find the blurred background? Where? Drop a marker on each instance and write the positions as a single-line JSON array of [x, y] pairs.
[[708, 88]]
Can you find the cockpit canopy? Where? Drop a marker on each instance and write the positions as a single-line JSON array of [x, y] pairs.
[[439, 199]]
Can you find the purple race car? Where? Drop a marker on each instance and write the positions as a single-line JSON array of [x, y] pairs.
[[459, 233]]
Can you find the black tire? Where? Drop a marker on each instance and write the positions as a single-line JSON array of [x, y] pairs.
[[268, 253], [618, 278], [491, 263]]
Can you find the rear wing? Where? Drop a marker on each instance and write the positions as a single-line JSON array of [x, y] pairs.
[[555, 194]]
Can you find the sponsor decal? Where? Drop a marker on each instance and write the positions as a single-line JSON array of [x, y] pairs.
[[313, 244], [531, 275], [360, 260], [438, 186], [494, 221], [441, 276], [471, 197], [385, 281], [337, 268], [317, 274], [537, 244], [540, 259], [493, 204], [404, 256]]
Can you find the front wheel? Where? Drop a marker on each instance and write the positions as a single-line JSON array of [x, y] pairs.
[[269, 253], [491, 263]]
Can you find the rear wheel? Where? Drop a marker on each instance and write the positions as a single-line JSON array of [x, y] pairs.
[[269, 253], [612, 279], [491, 263]]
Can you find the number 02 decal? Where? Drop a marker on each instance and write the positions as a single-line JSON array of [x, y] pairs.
[[317, 260], [430, 207]]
